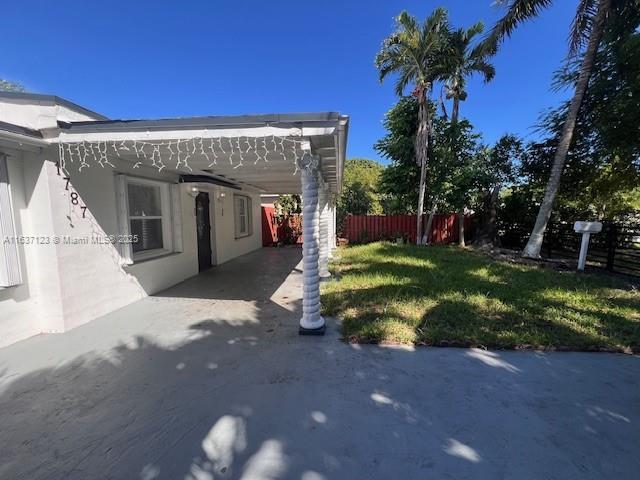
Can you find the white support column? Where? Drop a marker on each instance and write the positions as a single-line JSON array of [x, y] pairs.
[[324, 234], [311, 322], [334, 226], [331, 241]]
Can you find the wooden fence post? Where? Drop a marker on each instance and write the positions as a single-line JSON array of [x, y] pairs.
[[611, 245]]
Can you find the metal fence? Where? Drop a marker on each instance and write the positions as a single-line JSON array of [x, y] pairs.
[[616, 248]]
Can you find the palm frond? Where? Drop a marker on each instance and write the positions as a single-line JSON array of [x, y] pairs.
[[518, 12], [437, 20], [581, 25], [405, 77], [463, 60], [414, 51], [407, 22], [482, 66], [474, 30]]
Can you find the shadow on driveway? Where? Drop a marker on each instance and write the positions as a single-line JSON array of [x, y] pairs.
[[210, 380]]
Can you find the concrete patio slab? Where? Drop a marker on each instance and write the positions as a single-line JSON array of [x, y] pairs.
[[210, 380]]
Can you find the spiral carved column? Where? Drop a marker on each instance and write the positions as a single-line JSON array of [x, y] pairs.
[[311, 322], [324, 234]]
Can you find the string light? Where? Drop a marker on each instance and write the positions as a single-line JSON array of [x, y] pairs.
[[178, 153]]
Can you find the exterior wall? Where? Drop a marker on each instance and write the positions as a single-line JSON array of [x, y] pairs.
[[25, 307], [94, 280], [68, 284]]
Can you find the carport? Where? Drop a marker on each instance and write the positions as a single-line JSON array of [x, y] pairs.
[[275, 154]]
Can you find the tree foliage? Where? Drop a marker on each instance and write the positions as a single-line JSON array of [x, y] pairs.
[[288, 205], [601, 179], [591, 21], [360, 189], [417, 54], [460, 169], [7, 86], [399, 180]]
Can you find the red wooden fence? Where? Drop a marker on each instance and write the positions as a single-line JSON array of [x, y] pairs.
[[276, 230], [371, 228], [269, 225]]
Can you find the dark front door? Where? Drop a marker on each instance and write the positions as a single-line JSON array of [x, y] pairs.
[[203, 223]]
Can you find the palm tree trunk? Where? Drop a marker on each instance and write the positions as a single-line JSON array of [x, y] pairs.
[[443, 106], [427, 230], [421, 148], [532, 249], [493, 217], [461, 228], [455, 112]]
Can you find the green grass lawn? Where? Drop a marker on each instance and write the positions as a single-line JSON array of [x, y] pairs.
[[450, 296]]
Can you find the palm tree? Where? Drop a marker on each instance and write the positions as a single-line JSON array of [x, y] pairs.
[[463, 62], [416, 54], [586, 33]]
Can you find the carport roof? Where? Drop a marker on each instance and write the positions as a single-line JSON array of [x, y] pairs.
[[325, 132]]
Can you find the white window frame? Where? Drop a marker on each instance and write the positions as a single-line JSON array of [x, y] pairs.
[[168, 212], [10, 274], [248, 214]]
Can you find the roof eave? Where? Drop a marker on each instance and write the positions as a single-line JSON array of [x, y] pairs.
[[52, 100], [21, 135]]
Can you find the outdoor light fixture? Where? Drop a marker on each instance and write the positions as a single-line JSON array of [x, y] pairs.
[[193, 191], [221, 196]]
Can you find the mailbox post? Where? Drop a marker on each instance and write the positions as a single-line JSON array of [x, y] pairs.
[[586, 229]]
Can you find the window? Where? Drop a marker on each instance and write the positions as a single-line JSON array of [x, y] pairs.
[[145, 217], [242, 214], [148, 216], [9, 260]]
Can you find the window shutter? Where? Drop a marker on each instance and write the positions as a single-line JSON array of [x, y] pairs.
[[243, 216], [236, 214], [9, 259], [126, 250], [176, 217], [249, 216]]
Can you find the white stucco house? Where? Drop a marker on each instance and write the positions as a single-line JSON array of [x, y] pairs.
[[98, 213]]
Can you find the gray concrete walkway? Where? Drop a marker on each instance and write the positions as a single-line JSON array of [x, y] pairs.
[[209, 380]]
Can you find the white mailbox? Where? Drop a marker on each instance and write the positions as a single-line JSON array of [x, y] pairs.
[[586, 229]]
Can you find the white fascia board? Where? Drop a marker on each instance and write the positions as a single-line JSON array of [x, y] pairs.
[[160, 135], [21, 140], [341, 151]]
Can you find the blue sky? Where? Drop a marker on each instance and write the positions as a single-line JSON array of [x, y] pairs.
[[155, 59]]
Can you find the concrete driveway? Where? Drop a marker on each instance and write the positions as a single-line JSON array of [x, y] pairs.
[[210, 380]]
